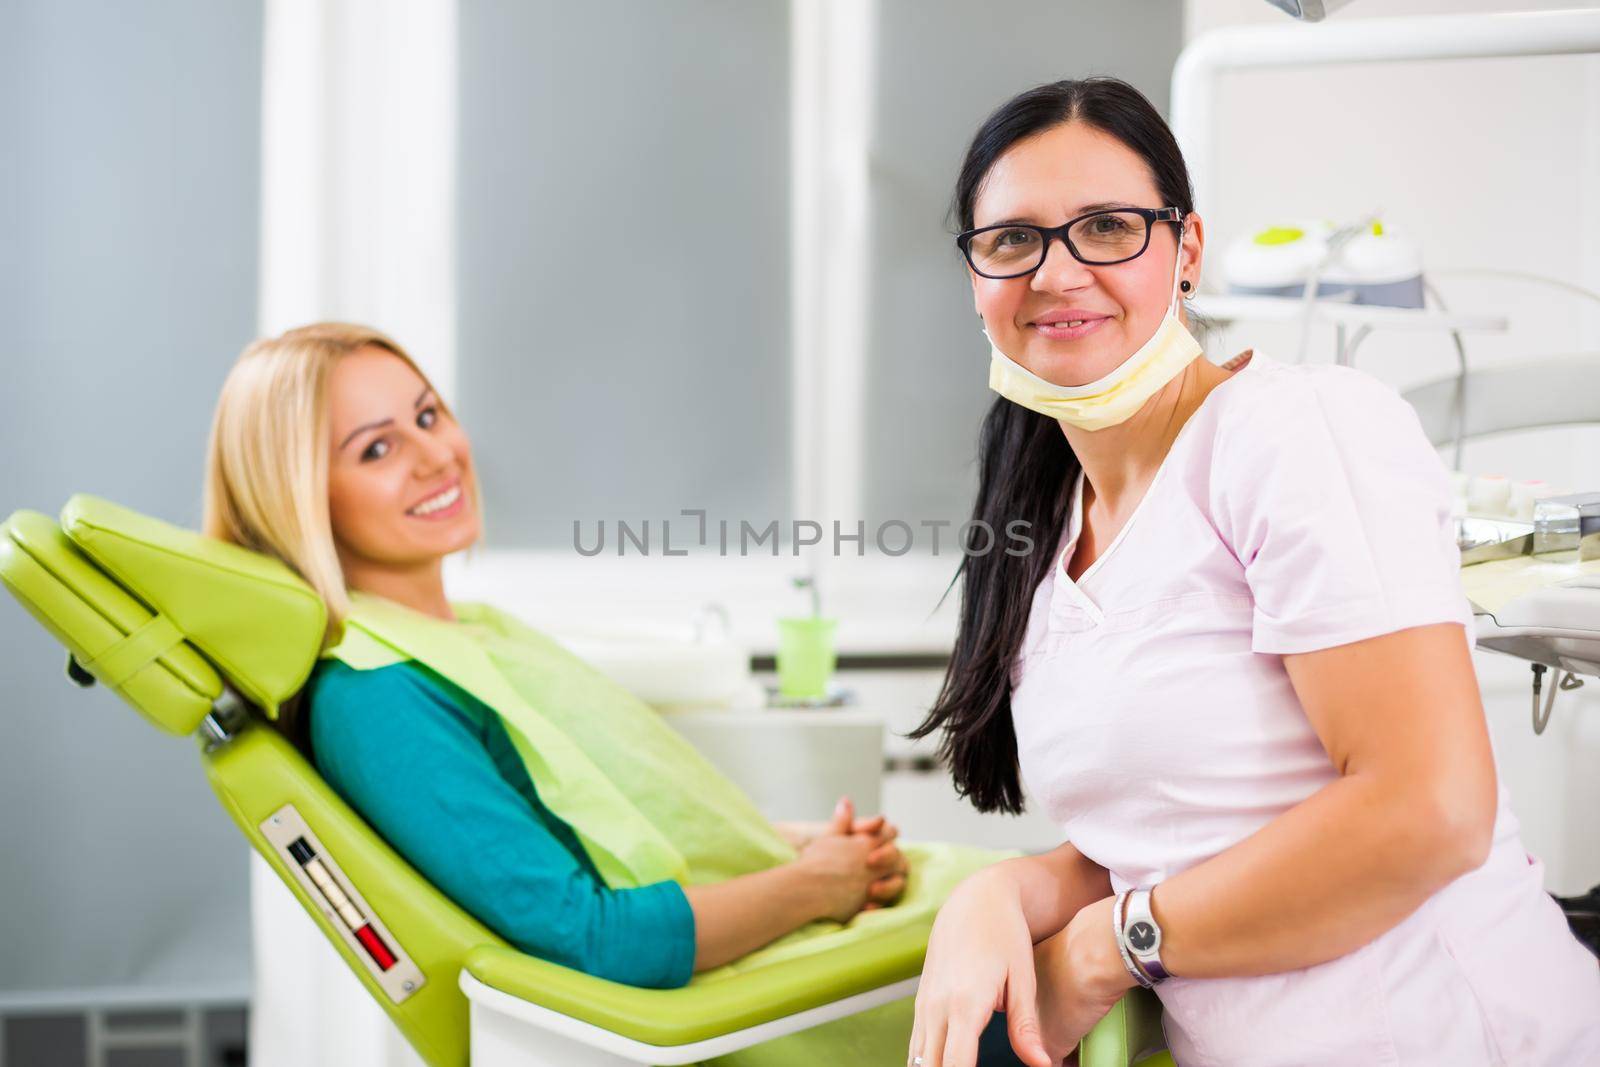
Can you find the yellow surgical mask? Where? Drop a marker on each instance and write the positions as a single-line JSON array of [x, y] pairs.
[[1115, 397]]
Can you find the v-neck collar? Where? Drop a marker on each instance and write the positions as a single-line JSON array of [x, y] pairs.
[[1075, 510]]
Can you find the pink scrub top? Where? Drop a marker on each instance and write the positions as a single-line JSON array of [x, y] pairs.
[[1300, 507]]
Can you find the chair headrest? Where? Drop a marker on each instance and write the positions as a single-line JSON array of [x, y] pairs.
[[252, 617], [155, 612], [93, 616]]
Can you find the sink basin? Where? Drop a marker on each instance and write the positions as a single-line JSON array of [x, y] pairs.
[[668, 671]]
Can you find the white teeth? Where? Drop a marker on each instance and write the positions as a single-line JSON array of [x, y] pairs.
[[1077, 322], [443, 500]]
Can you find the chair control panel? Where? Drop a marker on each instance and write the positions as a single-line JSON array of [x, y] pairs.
[[347, 912]]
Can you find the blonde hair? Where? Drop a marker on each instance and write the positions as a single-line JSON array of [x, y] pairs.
[[267, 462]]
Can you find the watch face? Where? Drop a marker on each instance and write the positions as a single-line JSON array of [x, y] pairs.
[[1142, 936]]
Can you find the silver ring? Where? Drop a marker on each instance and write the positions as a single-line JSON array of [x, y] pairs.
[[916, 1061]]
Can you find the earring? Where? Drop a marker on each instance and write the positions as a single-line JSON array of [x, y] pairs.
[[1185, 286]]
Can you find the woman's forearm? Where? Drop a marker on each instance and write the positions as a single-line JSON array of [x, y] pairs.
[[1323, 879], [1051, 888], [740, 915]]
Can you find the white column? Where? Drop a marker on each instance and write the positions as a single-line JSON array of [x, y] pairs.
[[831, 94], [1588, 219], [358, 171]]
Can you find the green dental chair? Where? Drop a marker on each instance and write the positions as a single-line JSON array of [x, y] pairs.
[[202, 637]]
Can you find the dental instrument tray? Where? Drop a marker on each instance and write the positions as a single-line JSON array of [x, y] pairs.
[[1483, 539], [1564, 528]]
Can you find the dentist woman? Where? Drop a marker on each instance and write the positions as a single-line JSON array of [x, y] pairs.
[[1237, 670]]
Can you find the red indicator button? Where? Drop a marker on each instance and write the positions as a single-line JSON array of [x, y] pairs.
[[375, 947]]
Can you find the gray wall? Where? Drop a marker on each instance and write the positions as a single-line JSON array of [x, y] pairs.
[[129, 154], [623, 253], [624, 260], [942, 68]]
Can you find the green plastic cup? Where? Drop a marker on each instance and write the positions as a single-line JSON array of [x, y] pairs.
[[805, 657]]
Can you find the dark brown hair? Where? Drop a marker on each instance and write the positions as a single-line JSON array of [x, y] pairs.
[[1025, 465]]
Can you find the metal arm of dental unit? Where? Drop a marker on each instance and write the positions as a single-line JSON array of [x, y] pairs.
[[1388, 40]]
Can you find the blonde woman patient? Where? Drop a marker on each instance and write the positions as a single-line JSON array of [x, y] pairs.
[[332, 452]]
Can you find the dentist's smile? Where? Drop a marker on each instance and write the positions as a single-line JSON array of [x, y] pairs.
[[1068, 324]]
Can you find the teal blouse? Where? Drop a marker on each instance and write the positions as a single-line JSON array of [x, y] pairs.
[[432, 769]]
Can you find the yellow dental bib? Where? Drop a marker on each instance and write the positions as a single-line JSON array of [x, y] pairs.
[[646, 806]]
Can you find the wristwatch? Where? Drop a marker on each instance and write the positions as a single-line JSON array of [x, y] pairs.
[[1122, 945], [1141, 936]]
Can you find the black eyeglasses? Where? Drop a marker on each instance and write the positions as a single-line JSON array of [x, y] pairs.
[[1099, 239]]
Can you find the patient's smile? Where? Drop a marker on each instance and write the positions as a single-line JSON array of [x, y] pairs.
[[440, 505]]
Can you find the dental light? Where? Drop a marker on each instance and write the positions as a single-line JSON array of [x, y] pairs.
[[1309, 10]]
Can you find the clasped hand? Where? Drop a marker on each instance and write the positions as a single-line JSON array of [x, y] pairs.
[[855, 862]]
